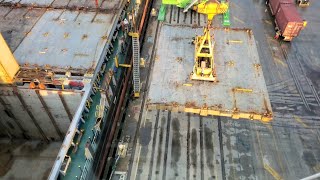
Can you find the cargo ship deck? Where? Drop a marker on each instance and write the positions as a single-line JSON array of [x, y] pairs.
[[69, 42], [166, 144], [52, 133]]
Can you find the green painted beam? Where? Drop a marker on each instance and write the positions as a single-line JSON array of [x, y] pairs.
[[162, 12], [226, 17]]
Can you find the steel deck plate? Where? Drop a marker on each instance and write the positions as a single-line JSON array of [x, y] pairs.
[[66, 39], [85, 4], [237, 65]]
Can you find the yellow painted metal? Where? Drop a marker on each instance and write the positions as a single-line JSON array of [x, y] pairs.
[[136, 94], [242, 90], [234, 41], [204, 68], [211, 8], [134, 34], [272, 172], [204, 112], [8, 64], [142, 62], [88, 104], [125, 65], [301, 3], [116, 61], [188, 84], [208, 111]]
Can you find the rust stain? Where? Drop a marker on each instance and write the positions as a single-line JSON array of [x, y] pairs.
[[85, 36], [179, 59], [191, 104], [66, 35], [45, 34]]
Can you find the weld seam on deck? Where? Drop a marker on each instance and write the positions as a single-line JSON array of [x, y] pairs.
[[166, 147], [223, 169], [65, 106], [46, 109], [252, 149], [188, 146], [102, 3], [170, 19], [191, 13], [201, 148], [39, 17], [4, 16], [31, 116], [160, 142], [155, 128], [178, 16]]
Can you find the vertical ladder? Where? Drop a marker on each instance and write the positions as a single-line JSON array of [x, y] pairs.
[[136, 64]]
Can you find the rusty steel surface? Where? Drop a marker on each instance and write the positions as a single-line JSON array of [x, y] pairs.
[[47, 26], [237, 68], [275, 4], [87, 5], [289, 20], [65, 39], [54, 36], [174, 145]]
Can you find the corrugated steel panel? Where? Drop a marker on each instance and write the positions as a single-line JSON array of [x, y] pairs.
[[34, 105], [289, 20], [8, 123], [53, 102], [56, 108], [8, 65], [274, 5], [72, 101], [14, 105]]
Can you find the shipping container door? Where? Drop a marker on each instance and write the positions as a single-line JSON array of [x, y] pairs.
[[297, 28], [288, 29], [292, 29]]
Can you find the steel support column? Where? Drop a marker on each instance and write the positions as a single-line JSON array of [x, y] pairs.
[[15, 119], [46, 108], [6, 129], [65, 106], [31, 115]]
